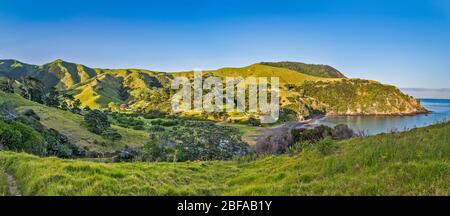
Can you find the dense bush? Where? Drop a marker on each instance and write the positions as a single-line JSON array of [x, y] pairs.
[[26, 133], [154, 114], [165, 123], [99, 123], [159, 148], [275, 143], [17, 136], [254, 121], [127, 121], [339, 132], [358, 97], [8, 112], [291, 141], [157, 128], [194, 140], [311, 135], [60, 146]]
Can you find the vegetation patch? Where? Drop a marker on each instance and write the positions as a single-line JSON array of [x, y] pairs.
[[408, 163]]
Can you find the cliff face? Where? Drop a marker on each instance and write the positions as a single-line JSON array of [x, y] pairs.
[[361, 97]]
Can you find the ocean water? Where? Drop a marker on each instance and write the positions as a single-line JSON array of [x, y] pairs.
[[370, 125]]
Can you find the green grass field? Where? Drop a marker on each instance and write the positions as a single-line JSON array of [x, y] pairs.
[[408, 163]]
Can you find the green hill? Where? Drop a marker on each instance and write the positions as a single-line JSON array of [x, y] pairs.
[[58, 73], [286, 76], [64, 75], [408, 163], [324, 88], [309, 69], [15, 69], [361, 97]]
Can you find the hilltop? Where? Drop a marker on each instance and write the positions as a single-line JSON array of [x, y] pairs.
[[324, 71]]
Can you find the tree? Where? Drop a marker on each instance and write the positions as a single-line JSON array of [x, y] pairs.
[[51, 98], [158, 148], [112, 135], [17, 136], [32, 89], [70, 103], [97, 121], [8, 112], [7, 86]]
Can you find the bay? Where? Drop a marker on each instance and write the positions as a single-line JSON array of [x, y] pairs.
[[370, 125]]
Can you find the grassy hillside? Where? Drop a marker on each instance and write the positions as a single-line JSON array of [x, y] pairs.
[[323, 88], [258, 70], [408, 163], [73, 127], [65, 74], [122, 86], [309, 69], [58, 73], [361, 97], [15, 69]]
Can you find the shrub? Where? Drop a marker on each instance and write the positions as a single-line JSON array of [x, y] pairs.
[[326, 146], [111, 134], [8, 112], [31, 113], [17, 136], [342, 131], [195, 140], [154, 114], [165, 123], [157, 128], [97, 121], [128, 121], [311, 135], [158, 148], [316, 134], [254, 122], [58, 145], [275, 143]]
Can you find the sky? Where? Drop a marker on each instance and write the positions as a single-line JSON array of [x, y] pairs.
[[400, 42]]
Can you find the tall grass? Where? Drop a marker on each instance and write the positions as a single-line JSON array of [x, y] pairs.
[[4, 190], [408, 163]]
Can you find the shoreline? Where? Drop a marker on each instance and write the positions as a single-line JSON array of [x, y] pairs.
[[382, 114]]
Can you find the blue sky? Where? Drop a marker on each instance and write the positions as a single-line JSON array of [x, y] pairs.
[[405, 43]]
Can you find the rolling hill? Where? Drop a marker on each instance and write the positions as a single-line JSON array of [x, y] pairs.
[[303, 87], [58, 73]]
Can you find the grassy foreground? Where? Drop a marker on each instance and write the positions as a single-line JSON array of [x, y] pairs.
[[409, 163], [3, 183]]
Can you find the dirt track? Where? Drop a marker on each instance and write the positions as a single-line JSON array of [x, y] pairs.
[[13, 189]]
